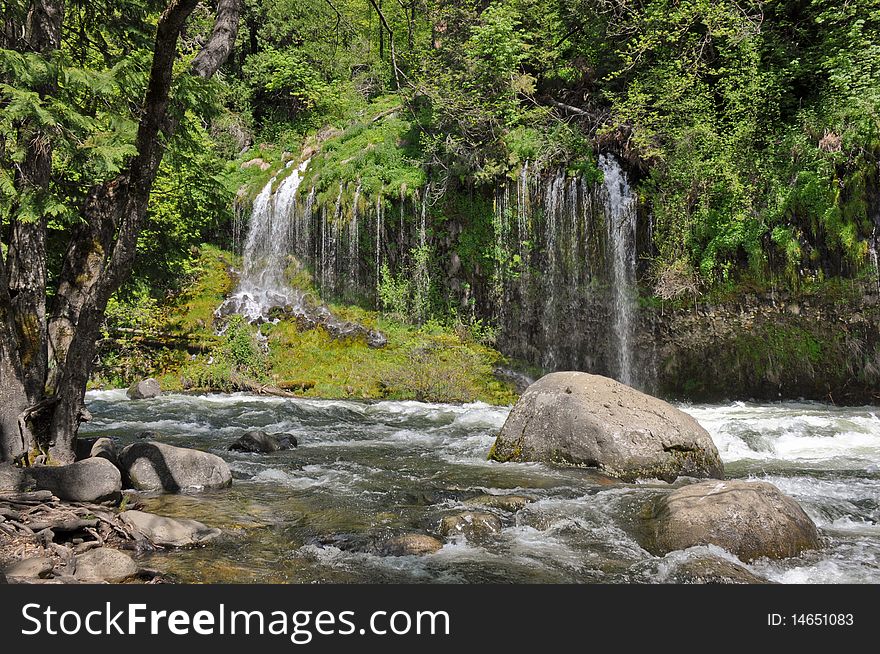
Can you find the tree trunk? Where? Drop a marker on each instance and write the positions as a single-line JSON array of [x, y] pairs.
[[46, 389]]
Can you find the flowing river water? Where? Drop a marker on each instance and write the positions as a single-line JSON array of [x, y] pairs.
[[364, 472]]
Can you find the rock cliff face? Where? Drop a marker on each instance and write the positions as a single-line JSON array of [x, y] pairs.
[[766, 347]]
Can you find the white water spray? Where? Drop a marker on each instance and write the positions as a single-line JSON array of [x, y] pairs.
[[262, 285], [620, 208]]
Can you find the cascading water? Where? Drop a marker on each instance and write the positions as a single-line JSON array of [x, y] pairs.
[[566, 268], [262, 285], [620, 209]]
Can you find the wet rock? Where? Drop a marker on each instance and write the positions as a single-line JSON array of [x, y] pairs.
[[35, 568], [144, 389], [148, 435], [712, 570], [751, 519], [511, 503], [411, 545], [105, 564], [575, 418], [89, 480], [344, 542], [14, 479], [160, 467], [169, 532], [261, 442], [470, 524]]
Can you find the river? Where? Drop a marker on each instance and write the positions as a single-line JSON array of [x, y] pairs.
[[364, 472]]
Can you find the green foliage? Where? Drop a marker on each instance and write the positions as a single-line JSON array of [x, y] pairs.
[[379, 153]]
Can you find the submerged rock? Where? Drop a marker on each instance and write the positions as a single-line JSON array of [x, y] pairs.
[[89, 480], [411, 545], [751, 519], [160, 467], [470, 524], [169, 532], [576, 418], [105, 564], [512, 503], [712, 570], [144, 389], [261, 442]]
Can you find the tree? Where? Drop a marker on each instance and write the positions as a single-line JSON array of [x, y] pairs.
[[48, 334]]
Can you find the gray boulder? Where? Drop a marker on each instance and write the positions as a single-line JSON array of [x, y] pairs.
[[104, 448], [105, 564], [574, 418], [411, 545], [144, 389], [89, 480], [751, 519], [261, 442], [471, 524], [160, 467], [169, 532]]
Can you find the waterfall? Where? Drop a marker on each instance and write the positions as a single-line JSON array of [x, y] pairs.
[[564, 283], [262, 284], [620, 210], [378, 244]]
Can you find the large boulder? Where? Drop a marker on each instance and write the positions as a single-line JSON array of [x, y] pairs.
[[575, 418], [169, 532], [751, 519], [89, 480], [160, 467], [144, 389], [263, 443], [105, 564]]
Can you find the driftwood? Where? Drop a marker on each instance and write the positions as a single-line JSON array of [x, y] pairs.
[[38, 524], [244, 384]]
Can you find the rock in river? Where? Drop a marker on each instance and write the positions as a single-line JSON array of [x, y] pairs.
[[160, 467], [89, 480], [169, 532], [751, 519], [511, 503], [144, 389], [411, 545], [261, 442], [579, 419]]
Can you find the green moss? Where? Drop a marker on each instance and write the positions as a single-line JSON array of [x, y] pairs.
[[431, 362], [428, 363]]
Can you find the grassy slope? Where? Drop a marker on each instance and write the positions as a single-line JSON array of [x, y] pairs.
[[429, 363]]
